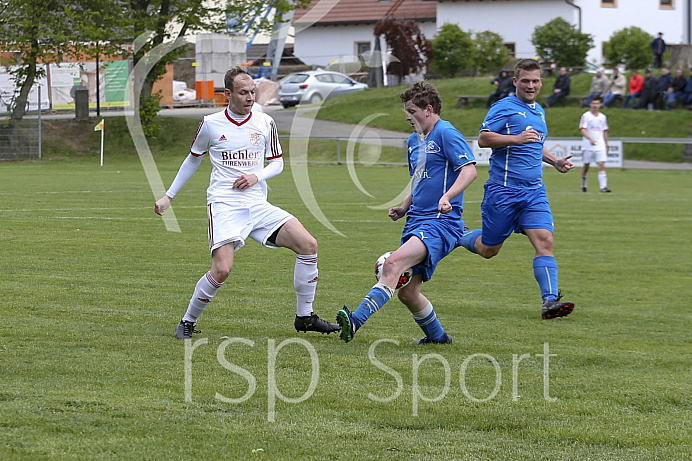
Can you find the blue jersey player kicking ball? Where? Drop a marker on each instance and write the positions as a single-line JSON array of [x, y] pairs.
[[442, 166], [515, 199]]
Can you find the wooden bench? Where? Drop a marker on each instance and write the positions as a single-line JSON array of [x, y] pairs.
[[463, 99], [582, 99]]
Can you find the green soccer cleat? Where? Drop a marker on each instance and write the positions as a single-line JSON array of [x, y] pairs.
[[348, 326]]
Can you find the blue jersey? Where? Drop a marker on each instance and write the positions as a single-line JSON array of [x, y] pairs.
[[434, 163], [518, 166]]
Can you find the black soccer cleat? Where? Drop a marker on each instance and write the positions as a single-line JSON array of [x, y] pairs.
[[348, 326], [445, 340], [185, 330], [554, 308], [606, 190], [313, 323], [583, 188]]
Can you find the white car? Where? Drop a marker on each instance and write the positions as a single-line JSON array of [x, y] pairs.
[[312, 87]]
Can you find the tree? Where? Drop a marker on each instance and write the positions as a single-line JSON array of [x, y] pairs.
[[629, 46], [561, 43], [491, 52], [453, 50], [45, 30], [160, 18], [408, 44]]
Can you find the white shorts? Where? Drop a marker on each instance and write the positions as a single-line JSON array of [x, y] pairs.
[[596, 156], [235, 223]]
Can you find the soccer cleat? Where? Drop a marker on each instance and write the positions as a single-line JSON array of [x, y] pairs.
[[605, 189], [555, 308], [313, 323], [583, 189], [446, 340], [348, 326], [185, 330]]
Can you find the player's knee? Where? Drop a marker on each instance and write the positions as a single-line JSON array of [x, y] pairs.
[[220, 274], [488, 252], [407, 297], [309, 245]]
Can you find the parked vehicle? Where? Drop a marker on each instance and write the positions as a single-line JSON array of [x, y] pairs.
[[312, 87]]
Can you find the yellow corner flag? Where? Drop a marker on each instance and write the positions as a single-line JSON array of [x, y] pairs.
[[99, 127]]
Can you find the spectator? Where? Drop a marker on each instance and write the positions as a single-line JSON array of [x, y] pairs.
[[505, 87], [677, 89], [648, 93], [616, 89], [665, 81], [658, 47], [599, 85], [636, 85], [686, 97], [560, 89]]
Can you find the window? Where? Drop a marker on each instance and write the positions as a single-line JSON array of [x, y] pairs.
[[608, 3], [325, 78], [511, 49], [363, 51], [666, 3], [297, 78]]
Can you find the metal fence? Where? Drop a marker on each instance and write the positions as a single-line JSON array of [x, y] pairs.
[[20, 140]]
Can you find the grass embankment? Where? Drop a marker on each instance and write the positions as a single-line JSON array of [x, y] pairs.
[[563, 120]]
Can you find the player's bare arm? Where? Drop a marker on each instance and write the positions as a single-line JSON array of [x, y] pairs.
[[585, 133], [399, 212], [162, 205], [245, 181], [494, 140], [561, 164], [466, 176]]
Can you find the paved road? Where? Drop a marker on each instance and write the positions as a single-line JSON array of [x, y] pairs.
[[286, 122]]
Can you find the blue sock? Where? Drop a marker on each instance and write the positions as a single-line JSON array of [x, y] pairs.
[[427, 321], [373, 302], [545, 271], [468, 239]]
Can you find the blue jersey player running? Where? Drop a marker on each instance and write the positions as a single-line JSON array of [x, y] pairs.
[[515, 199], [442, 166]]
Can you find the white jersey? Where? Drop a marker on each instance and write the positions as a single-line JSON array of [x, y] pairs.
[[595, 126], [237, 145]]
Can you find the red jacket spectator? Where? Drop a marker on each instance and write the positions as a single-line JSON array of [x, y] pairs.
[[636, 82]]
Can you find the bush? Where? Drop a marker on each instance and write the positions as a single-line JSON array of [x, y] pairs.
[[561, 43], [629, 46], [453, 51]]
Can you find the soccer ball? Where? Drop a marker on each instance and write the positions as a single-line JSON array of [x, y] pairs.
[[404, 278]]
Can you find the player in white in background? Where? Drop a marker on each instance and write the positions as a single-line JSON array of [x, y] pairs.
[[594, 143], [239, 141]]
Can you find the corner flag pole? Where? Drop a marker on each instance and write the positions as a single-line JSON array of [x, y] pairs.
[[100, 127]]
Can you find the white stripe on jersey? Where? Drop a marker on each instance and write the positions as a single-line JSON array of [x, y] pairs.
[[236, 147]]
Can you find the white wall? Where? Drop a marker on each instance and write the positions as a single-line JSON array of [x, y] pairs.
[[319, 45], [515, 21]]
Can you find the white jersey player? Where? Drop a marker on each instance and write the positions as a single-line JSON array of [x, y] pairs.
[[594, 129], [239, 141]]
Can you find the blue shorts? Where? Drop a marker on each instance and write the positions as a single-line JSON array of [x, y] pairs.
[[440, 237], [506, 210]]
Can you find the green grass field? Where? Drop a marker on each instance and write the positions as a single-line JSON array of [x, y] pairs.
[[93, 287]]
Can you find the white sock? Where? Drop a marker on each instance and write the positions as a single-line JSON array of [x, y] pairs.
[[424, 313], [305, 283], [205, 290], [602, 179]]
